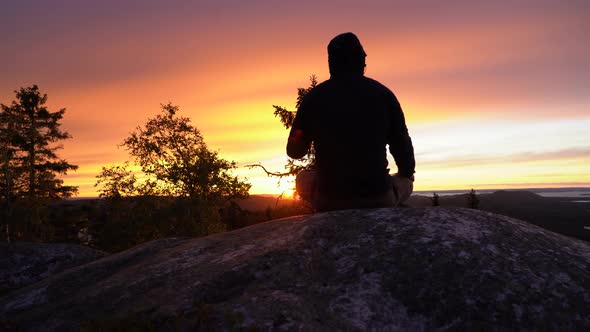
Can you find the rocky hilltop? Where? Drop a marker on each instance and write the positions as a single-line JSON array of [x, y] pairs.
[[417, 269]]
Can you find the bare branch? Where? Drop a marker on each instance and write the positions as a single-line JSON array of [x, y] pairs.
[[269, 173]]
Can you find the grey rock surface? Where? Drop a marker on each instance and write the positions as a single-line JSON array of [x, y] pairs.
[[22, 264], [429, 269]]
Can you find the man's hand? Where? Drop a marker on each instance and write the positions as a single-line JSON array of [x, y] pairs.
[[402, 188]]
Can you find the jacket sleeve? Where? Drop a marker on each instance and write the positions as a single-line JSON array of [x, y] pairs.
[[300, 136], [400, 143]]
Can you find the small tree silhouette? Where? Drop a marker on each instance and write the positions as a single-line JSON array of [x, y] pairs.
[[293, 167], [183, 188], [435, 199], [176, 161], [472, 200]]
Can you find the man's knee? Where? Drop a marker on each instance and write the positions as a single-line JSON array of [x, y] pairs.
[[306, 185]]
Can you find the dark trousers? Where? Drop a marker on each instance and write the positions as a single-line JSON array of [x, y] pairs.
[[307, 187]]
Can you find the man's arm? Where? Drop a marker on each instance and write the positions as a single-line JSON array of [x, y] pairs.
[[300, 137], [400, 143]]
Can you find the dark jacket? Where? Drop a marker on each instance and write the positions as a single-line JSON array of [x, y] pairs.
[[350, 118]]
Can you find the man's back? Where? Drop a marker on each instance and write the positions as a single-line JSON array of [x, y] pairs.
[[350, 119]]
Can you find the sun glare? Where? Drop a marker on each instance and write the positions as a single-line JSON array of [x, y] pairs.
[[289, 193]]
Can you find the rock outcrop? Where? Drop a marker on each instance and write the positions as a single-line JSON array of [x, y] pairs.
[[22, 264], [383, 269]]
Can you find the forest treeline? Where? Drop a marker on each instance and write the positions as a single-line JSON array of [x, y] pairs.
[[172, 185]]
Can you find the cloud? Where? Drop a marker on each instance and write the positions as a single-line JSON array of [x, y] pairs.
[[477, 160]]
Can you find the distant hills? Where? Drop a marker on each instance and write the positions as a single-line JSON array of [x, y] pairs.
[[559, 214]]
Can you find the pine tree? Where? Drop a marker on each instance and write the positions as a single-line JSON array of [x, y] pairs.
[[435, 199], [7, 174], [30, 133], [472, 200]]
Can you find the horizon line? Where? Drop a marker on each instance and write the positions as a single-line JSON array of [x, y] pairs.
[[585, 188]]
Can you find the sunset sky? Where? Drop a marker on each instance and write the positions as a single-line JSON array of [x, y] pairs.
[[496, 93]]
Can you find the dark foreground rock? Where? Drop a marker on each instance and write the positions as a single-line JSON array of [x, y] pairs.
[[22, 264], [384, 269]]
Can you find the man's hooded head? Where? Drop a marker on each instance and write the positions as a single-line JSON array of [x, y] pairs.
[[346, 54]]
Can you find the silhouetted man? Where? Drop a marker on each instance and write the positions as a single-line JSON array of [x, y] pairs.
[[350, 119]]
